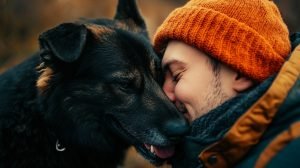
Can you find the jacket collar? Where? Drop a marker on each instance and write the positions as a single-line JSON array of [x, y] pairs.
[[248, 129]]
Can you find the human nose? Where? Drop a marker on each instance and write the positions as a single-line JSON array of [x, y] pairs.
[[169, 87]]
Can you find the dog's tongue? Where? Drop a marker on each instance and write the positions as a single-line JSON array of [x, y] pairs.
[[162, 152]]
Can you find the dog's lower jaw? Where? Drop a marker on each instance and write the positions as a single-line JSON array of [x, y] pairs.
[[163, 153], [151, 157]]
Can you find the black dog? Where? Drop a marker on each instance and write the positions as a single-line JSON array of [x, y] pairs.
[[94, 93]]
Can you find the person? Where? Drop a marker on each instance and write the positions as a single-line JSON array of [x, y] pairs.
[[232, 69]]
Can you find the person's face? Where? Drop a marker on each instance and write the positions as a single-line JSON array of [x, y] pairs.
[[191, 83]]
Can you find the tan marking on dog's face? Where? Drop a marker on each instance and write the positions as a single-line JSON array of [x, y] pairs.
[[122, 25], [43, 80], [153, 67], [129, 25], [99, 32]]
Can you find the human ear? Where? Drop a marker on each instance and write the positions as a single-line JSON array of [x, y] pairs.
[[242, 83]]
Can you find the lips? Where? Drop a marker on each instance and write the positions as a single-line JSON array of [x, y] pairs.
[[161, 152]]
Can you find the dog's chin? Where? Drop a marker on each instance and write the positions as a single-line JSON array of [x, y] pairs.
[[155, 154]]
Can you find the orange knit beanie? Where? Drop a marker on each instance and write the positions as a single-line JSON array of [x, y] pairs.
[[247, 35]]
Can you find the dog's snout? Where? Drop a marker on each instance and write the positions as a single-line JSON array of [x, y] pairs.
[[176, 128]]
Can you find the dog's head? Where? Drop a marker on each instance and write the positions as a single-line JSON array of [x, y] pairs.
[[103, 75]]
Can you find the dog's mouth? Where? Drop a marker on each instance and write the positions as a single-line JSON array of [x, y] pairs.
[[161, 152], [157, 154]]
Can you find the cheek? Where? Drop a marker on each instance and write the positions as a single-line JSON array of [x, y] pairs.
[[191, 90], [185, 92]]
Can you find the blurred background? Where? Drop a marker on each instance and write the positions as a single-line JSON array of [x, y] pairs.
[[21, 21]]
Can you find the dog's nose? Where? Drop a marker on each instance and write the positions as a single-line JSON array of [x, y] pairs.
[[176, 128]]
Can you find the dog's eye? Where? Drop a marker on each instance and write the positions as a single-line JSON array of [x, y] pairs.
[[125, 85], [128, 83]]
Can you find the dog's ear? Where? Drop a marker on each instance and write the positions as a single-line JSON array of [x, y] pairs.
[[64, 42], [128, 13]]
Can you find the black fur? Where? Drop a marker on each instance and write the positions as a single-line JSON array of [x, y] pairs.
[[92, 89]]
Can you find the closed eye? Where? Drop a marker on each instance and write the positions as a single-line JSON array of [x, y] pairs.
[[176, 77], [175, 67]]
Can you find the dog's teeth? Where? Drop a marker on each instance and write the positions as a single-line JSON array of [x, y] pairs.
[[151, 149]]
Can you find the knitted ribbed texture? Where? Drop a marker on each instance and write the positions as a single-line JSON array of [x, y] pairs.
[[247, 35]]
